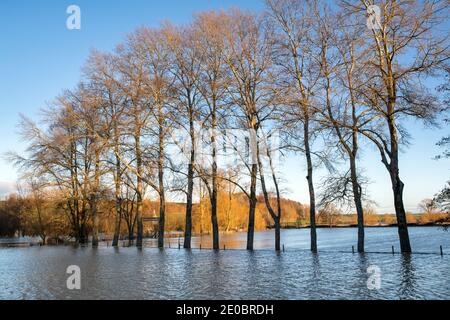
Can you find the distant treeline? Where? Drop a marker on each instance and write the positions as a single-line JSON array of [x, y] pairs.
[[24, 216], [46, 218]]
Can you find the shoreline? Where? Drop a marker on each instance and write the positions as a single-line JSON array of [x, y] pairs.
[[432, 224], [28, 243]]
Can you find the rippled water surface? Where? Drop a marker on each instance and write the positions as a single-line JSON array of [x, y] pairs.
[[334, 273]]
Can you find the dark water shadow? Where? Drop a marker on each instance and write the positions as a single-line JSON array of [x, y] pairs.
[[408, 283]]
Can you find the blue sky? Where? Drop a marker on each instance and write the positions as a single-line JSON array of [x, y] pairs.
[[39, 57]]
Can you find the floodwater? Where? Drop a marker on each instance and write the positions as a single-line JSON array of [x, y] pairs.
[[150, 273]]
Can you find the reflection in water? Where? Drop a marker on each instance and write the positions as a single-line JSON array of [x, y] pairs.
[[423, 239], [363, 276], [315, 266], [251, 264], [216, 265], [408, 281], [128, 273], [317, 278]]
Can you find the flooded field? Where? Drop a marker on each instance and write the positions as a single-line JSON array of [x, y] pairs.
[[334, 273]]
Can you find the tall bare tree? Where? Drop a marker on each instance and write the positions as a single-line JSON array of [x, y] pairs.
[[209, 29], [340, 65], [160, 91], [133, 82], [403, 29], [249, 59], [293, 22], [186, 69]]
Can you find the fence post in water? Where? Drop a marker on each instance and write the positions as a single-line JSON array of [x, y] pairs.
[[283, 247], [224, 248], [393, 251], [353, 249], [442, 251], [200, 246]]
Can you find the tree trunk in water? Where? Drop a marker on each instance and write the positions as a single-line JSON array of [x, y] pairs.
[[95, 221], [312, 197], [397, 186], [139, 191], [215, 225], [130, 236], [277, 235], [251, 213], [82, 236], [161, 191], [75, 230], [162, 214], [275, 216], [94, 199], [117, 223], [162, 206], [140, 227], [188, 227], [118, 195], [358, 204]]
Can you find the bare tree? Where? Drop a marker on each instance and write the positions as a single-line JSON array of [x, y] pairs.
[[186, 70], [339, 64], [428, 206], [249, 61], [274, 213], [160, 94], [209, 29], [101, 73], [61, 155], [396, 90], [133, 81], [294, 20]]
